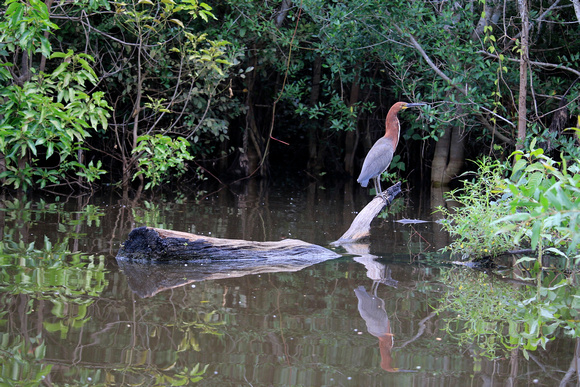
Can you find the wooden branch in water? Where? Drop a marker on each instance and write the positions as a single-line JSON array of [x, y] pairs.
[[361, 225], [155, 244]]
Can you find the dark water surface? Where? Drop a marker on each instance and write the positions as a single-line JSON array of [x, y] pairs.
[[73, 315]]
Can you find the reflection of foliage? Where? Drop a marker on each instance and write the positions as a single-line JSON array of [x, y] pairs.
[[205, 324], [483, 311], [169, 376], [63, 279], [24, 211], [21, 360], [31, 277], [150, 214], [497, 316], [52, 273]]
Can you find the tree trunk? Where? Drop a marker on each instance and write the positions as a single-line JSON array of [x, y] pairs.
[[524, 61], [351, 139], [2, 167], [314, 156], [448, 157], [42, 66], [251, 146], [281, 16]]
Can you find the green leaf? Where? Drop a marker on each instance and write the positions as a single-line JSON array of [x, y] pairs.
[[536, 233], [178, 22]]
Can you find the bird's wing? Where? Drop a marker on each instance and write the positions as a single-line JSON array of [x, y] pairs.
[[377, 160]]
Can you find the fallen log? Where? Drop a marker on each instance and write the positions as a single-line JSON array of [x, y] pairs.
[[155, 259], [361, 225], [156, 244]]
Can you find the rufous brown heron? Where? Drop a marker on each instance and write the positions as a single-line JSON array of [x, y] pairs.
[[379, 157]]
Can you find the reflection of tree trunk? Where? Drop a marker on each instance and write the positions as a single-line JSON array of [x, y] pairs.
[[448, 157], [314, 153], [514, 367], [522, 110], [351, 140], [440, 237], [574, 366]]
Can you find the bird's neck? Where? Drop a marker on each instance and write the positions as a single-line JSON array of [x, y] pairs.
[[393, 128]]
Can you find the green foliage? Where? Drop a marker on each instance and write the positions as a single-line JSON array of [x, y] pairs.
[[179, 69], [183, 68], [475, 208], [23, 27], [49, 115], [45, 115], [161, 155], [537, 207], [544, 204]]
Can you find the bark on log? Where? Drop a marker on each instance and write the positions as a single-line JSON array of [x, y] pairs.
[[361, 225], [155, 244]]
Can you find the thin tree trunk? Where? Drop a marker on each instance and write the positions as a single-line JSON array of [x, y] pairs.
[[46, 35], [524, 60], [314, 165], [351, 139], [252, 143], [133, 164], [2, 167], [284, 8]]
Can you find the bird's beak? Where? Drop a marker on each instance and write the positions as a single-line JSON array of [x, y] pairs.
[[415, 104]]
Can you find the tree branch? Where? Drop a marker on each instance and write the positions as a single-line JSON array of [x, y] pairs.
[[444, 76]]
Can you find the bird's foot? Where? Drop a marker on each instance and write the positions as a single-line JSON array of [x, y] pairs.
[[384, 196]]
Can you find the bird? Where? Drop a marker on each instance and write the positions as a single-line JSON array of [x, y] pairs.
[[379, 157]]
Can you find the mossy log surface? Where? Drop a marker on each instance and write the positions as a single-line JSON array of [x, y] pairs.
[[155, 244]]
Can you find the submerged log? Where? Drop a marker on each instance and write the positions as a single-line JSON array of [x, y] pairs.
[[361, 225], [155, 244]]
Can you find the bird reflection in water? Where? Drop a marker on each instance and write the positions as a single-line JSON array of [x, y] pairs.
[[372, 310]]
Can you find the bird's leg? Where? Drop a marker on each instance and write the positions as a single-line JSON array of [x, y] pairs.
[[377, 185], [378, 189]]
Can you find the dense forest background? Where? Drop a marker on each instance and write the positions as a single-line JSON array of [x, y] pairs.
[[143, 94]]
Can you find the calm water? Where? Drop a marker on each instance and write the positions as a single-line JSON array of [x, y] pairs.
[[73, 315]]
